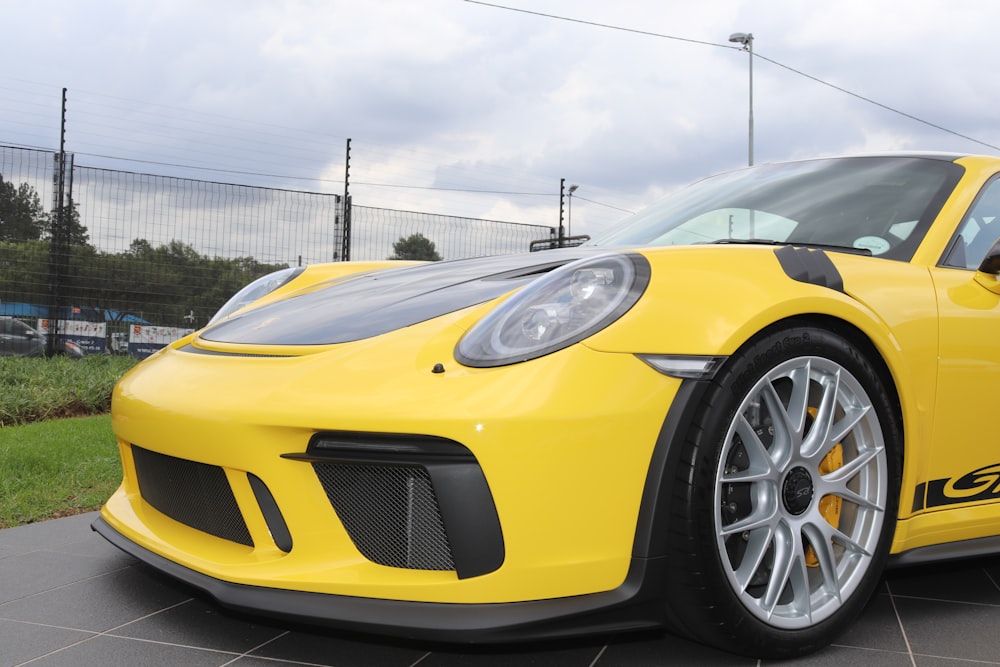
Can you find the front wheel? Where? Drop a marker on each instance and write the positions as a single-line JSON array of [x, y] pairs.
[[789, 495]]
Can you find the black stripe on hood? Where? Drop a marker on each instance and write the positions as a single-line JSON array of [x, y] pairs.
[[382, 301]]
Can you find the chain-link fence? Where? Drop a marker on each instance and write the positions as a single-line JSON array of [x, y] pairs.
[[137, 259], [375, 231]]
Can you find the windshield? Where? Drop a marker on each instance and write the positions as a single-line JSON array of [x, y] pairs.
[[883, 205]]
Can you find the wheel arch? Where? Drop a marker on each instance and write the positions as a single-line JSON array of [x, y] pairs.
[[673, 547], [652, 534]]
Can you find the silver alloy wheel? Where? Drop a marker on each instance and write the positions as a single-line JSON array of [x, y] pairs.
[[800, 492]]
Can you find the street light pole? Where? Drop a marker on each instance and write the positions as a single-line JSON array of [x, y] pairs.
[[746, 39], [569, 210]]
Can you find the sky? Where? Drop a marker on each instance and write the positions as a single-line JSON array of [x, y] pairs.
[[480, 109]]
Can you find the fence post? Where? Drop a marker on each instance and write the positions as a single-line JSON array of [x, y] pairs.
[[346, 242], [562, 202], [58, 256]]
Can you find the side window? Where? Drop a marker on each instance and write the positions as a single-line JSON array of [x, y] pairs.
[[20, 328], [979, 230]]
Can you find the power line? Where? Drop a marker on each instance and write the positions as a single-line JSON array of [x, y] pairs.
[[874, 102], [470, 190], [736, 48], [591, 201], [320, 180], [599, 25], [210, 169]]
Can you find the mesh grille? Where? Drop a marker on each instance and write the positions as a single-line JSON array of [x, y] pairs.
[[195, 494], [390, 512]]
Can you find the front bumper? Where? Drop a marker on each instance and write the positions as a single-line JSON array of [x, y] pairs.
[[562, 446], [630, 607]]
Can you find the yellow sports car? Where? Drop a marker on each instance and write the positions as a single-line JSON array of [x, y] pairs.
[[726, 417]]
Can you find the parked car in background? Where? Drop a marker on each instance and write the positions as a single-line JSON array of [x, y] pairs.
[[19, 340]]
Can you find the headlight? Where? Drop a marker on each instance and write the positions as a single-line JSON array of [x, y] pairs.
[[564, 307], [255, 290]]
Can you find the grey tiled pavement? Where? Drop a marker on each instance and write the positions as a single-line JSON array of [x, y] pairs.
[[67, 597]]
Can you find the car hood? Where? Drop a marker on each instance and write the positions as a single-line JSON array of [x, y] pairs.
[[378, 302]]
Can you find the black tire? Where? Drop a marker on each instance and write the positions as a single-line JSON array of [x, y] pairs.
[[785, 497]]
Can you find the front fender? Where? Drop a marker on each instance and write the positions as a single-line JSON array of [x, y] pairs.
[[712, 300]]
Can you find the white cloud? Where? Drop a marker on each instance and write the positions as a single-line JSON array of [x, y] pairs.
[[453, 94]]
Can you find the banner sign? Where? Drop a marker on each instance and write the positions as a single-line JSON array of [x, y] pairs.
[[144, 340], [89, 336]]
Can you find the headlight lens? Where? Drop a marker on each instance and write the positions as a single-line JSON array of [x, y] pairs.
[[564, 307], [255, 290]]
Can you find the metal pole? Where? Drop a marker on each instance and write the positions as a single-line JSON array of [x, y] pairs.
[[750, 52], [746, 39], [569, 210], [562, 203], [57, 257], [345, 254]]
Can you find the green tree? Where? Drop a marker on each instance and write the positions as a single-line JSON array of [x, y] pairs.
[[75, 232], [415, 247], [140, 248], [24, 271], [22, 217], [170, 284]]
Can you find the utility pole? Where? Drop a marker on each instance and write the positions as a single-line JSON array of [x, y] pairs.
[[569, 210], [746, 39]]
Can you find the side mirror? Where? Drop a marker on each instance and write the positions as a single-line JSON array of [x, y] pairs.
[[991, 263], [988, 274]]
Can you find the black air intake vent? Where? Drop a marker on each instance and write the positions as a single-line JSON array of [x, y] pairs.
[[195, 494], [409, 500], [390, 512]]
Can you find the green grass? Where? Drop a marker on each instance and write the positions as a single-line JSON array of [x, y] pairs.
[[38, 389], [56, 468], [51, 466]]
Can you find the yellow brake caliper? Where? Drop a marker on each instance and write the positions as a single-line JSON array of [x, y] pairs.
[[829, 506]]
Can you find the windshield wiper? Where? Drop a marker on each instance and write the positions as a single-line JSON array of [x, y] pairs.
[[805, 244]]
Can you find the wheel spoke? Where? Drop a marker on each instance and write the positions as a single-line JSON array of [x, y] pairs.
[[799, 581], [761, 467], [852, 417], [817, 442], [783, 561], [787, 424], [826, 437], [762, 516], [859, 500], [835, 483], [753, 557], [831, 534], [823, 548], [851, 468], [789, 571], [798, 402]]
